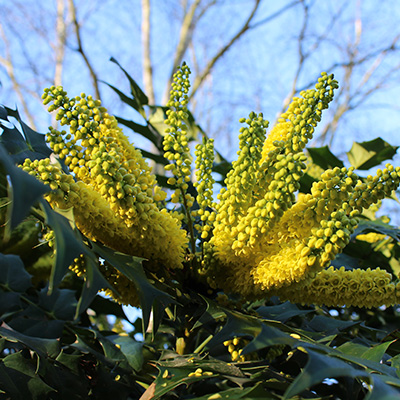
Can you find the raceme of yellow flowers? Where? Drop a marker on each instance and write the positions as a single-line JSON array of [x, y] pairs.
[[261, 238]]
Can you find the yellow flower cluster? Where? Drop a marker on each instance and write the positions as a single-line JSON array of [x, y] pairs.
[[260, 239], [175, 142], [107, 167], [235, 348], [204, 159], [264, 241], [95, 218], [339, 287]]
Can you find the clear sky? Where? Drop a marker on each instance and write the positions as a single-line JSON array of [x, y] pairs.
[[257, 73]]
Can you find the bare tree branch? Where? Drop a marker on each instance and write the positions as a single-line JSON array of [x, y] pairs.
[[146, 40], [60, 42], [185, 35], [246, 26], [8, 64], [80, 50]]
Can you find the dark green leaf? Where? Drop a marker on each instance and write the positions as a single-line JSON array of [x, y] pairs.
[[324, 158], [318, 368], [366, 155], [44, 347], [68, 245], [19, 380], [281, 312], [70, 361], [150, 297], [269, 336], [155, 157], [103, 306], [35, 142], [131, 102], [240, 393], [374, 353], [147, 132], [139, 97], [94, 281], [131, 349], [381, 390], [26, 190], [13, 274], [329, 325], [60, 303], [377, 225], [237, 325]]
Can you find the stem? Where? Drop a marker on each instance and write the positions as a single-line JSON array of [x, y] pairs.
[[202, 345], [190, 225]]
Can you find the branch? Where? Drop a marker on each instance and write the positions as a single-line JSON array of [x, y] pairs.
[[60, 42], [80, 50], [147, 65], [185, 35], [200, 78], [9, 66]]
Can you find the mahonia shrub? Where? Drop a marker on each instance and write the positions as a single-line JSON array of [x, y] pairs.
[[83, 212], [259, 239]]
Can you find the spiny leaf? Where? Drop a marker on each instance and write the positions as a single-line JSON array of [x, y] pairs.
[[26, 190], [131, 349], [324, 158], [150, 297], [381, 390], [374, 353], [60, 303], [44, 347], [318, 368], [269, 336], [68, 246], [321, 323], [94, 281], [138, 96], [34, 142], [366, 155], [237, 325], [147, 132], [13, 274], [19, 379], [281, 312], [377, 225]]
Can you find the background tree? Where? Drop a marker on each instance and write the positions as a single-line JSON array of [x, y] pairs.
[[69, 42]]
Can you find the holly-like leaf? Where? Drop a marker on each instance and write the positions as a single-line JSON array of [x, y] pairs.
[[269, 336], [131, 349], [281, 312], [150, 297], [376, 225], [68, 245], [365, 155], [321, 323], [43, 347], [26, 190], [19, 380], [60, 303], [147, 131], [139, 98], [381, 390], [94, 281], [237, 325], [324, 158], [318, 368], [13, 274]]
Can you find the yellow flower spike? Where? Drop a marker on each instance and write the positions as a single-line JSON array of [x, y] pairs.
[[295, 127], [204, 184], [108, 163], [337, 287]]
